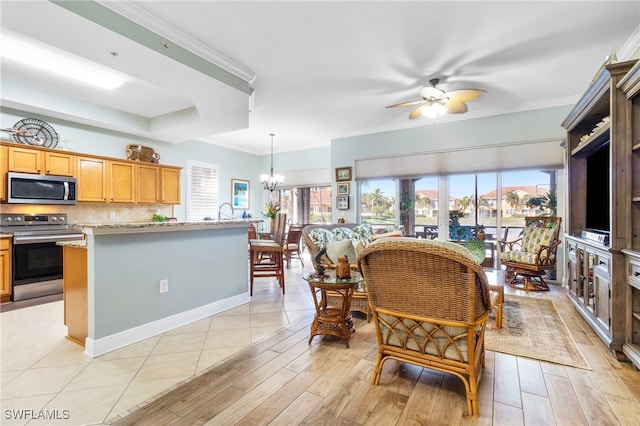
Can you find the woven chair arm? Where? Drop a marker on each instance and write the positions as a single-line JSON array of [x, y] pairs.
[[511, 245]]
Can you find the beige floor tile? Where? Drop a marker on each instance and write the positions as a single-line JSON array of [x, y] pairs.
[[269, 318], [170, 365], [266, 307], [231, 322], [40, 381], [298, 315], [19, 360], [106, 373], [201, 326], [140, 391], [87, 406], [238, 310], [175, 343], [227, 338], [65, 354], [211, 357], [135, 350], [16, 411]]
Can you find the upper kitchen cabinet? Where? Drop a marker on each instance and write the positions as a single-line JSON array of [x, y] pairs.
[[170, 185], [122, 182], [92, 179], [148, 184], [29, 160], [4, 152]]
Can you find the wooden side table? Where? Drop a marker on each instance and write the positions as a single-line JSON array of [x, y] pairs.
[[333, 320]]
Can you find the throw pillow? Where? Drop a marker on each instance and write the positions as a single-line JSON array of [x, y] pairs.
[[336, 249], [477, 249]]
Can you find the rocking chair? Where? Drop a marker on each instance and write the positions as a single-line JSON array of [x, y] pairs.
[[533, 254]]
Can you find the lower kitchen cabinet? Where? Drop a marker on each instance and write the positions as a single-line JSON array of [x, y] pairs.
[[5, 269], [74, 281]]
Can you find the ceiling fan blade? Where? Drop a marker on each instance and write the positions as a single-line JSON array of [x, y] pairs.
[[416, 112], [464, 95], [456, 107], [404, 104]]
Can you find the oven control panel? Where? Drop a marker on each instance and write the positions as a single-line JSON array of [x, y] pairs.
[[14, 219]]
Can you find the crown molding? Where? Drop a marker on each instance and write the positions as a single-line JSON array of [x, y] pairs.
[[160, 27]]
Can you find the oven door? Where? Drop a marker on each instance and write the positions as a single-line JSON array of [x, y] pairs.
[[37, 265]]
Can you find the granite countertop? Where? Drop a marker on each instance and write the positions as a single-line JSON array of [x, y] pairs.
[[162, 224], [73, 243], [124, 227]]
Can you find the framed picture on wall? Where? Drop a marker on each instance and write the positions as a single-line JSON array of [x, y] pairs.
[[240, 193], [343, 189], [342, 202], [343, 174]]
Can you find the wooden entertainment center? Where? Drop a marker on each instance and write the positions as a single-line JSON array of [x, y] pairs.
[[603, 214]]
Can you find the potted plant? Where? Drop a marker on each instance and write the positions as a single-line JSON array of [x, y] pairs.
[[271, 210], [480, 232]]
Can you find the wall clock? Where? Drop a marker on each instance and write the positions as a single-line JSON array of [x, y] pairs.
[[32, 131]]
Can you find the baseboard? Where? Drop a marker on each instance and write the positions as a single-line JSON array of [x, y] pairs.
[[103, 345]]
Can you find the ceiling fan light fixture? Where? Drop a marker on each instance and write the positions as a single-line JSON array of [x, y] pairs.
[[429, 92], [434, 109], [271, 181]]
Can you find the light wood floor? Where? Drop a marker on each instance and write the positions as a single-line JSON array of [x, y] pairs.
[[285, 381]]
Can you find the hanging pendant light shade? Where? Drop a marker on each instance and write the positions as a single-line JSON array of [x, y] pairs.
[[271, 181]]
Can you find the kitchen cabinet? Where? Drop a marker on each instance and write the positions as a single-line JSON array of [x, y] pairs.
[[25, 160], [170, 185], [60, 164], [4, 152], [122, 188], [100, 179], [92, 179], [148, 184], [29, 160], [75, 293], [5, 269]]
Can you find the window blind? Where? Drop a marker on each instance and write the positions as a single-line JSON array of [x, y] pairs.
[[539, 154], [202, 190]]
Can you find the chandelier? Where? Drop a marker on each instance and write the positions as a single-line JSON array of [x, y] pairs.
[[271, 181]]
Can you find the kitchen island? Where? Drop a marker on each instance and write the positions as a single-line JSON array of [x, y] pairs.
[[143, 279]]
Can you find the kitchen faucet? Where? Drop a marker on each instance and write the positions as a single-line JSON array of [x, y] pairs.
[[220, 209]]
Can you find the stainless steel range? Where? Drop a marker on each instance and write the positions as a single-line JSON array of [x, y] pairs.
[[37, 260]]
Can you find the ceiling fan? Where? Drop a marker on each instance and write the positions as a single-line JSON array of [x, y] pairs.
[[437, 102]]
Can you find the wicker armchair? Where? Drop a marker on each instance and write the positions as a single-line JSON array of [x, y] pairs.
[[533, 254], [430, 303]]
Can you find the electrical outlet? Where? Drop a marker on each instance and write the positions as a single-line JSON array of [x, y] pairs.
[[163, 286], [112, 215]]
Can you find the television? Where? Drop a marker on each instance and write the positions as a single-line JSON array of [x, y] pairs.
[[598, 203]]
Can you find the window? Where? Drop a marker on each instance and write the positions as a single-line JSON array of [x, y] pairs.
[[306, 204], [202, 190]]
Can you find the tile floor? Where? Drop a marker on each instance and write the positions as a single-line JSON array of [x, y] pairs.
[[46, 379]]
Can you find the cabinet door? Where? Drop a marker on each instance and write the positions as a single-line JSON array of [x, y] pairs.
[[92, 179], [148, 183], [25, 160], [573, 269], [60, 164], [5, 269], [170, 186], [4, 161], [121, 182], [602, 284]]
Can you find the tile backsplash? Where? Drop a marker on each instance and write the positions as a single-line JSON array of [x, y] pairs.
[[95, 212]]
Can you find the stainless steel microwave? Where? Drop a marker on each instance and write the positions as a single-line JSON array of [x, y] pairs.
[[25, 188]]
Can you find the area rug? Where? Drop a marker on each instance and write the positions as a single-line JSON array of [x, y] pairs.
[[533, 328]]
